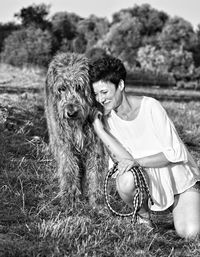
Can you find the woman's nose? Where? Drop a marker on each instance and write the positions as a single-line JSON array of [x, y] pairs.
[[101, 99]]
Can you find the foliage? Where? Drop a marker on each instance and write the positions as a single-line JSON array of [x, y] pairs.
[[178, 62], [34, 15], [196, 48], [5, 30], [63, 30], [93, 28], [140, 36], [62, 27], [177, 32], [196, 74], [153, 59], [27, 46], [79, 44], [151, 19], [125, 33], [181, 63], [95, 52]]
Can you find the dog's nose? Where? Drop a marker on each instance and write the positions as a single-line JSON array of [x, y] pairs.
[[72, 114], [71, 111]]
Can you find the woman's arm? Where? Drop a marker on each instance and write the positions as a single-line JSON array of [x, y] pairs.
[[153, 161], [121, 155], [116, 150]]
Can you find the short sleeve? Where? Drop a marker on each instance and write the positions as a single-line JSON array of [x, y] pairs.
[[166, 133]]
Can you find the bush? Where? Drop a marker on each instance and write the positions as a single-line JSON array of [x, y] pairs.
[[27, 46], [95, 52]]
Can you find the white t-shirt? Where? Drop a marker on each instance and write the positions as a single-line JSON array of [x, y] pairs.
[[152, 132]]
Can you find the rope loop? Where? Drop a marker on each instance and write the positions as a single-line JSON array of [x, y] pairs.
[[141, 191]]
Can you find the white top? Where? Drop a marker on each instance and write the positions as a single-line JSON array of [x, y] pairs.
[[152, 132]]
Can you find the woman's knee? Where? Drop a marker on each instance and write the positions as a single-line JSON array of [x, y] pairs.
[[186, 215], [125, 183], [189, 231]]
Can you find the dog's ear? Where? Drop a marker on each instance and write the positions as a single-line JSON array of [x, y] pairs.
[[93, 113], [98, 106]]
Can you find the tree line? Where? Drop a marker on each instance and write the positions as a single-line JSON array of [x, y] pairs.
[[152, 45]]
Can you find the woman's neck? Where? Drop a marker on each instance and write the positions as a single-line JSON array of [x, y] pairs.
[[129, 107], [124, 108]]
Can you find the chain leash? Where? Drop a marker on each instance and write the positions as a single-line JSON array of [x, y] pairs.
[[141, 190]]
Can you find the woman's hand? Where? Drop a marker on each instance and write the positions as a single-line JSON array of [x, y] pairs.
[[125, 165], [97, 120]]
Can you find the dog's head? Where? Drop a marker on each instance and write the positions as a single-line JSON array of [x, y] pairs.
[[69, 98], [69, 84]]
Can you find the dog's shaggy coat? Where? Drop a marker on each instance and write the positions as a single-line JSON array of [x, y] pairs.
[[68, 104]]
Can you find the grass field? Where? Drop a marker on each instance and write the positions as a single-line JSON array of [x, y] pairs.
[[32, 220]]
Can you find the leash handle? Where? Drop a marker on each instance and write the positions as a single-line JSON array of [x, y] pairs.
[[142, 189]]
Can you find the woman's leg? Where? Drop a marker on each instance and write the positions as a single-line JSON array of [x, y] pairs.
[[186, 214], [126, 188]]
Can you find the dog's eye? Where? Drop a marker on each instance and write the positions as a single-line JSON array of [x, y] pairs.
[[78, 87], [61, 89]]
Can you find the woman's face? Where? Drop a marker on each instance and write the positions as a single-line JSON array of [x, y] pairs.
[[108, 95]]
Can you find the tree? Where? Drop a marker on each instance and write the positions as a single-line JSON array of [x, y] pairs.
[[153, 59], [178, 62], [196, 48], [95, 52], [5, 30], [152, 20], [181, 63], [63, 26], [34, 15], [123, 40], [28, 46], [177, 32], [93, 28], [80, 43], [64, 29]]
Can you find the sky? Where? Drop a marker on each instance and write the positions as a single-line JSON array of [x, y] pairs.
[[187, 9]]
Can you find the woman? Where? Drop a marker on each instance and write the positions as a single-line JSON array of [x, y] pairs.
[[140, 125]]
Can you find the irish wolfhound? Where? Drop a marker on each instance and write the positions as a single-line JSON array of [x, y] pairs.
[[68, 104]]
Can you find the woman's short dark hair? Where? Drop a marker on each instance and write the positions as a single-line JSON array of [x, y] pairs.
[[107, 68]]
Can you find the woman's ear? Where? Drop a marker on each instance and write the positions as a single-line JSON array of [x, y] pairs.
[[121, 85]]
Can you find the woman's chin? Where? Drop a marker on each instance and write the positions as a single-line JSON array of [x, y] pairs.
[[106, 112]]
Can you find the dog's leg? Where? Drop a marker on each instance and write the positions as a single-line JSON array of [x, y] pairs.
[[68, 171], [91, 181], [94, 173]]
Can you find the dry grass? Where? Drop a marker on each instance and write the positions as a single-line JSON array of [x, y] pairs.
[[32, 220]]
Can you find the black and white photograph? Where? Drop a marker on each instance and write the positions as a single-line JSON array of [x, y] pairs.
[[99, 128]]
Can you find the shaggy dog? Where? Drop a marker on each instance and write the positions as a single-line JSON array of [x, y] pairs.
[[68, 105]]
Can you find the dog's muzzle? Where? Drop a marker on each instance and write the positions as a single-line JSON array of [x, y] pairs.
[[72, 111]]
